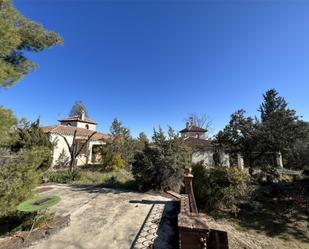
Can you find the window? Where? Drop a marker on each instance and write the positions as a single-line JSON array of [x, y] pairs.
[[87, 126]]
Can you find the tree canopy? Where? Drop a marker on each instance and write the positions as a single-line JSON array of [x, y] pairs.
[[279, 124], [277, 130], [7, 120], [78, 108], [161, 164], [18, 35], [201, 120], [123, 141], [25, 153]]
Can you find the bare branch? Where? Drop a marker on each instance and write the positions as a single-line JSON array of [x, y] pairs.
[[83, 145], [201, 120]]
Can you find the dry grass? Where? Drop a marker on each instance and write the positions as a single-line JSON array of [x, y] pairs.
[[275, 224], [114, 179], [241, 238]]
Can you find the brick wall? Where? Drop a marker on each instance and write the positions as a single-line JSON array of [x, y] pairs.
[[194, 233]]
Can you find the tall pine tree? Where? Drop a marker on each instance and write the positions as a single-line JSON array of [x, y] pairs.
[[17, 36], [279, 124]]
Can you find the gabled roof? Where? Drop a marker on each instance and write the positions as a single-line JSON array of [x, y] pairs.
[[197, 143], [77, 119], [193, 128], [80, 132]]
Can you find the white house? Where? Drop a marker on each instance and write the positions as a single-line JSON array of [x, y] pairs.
[[84, 128], [203, 150]]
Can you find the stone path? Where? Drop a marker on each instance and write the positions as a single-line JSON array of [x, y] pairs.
[[108, 219], [148, 234]]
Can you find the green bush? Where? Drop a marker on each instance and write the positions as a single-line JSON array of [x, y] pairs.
[[28, 135], [62, 176], [220, 188], [160, 165], [111, 160], [19, 174]]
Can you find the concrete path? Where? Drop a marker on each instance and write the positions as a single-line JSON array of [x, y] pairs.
[[107, 219]]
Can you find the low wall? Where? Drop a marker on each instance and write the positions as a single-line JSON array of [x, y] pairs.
[[194, 232]]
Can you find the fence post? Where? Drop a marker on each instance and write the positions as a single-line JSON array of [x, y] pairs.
[[189, 190]]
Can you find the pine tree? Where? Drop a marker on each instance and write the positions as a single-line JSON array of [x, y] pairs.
[[123, 141], [18, 35], [279, 124], [161, 164], [141, 141], [240, 136], [7, 120]]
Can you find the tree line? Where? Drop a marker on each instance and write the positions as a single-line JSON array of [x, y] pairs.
[[278, 129]]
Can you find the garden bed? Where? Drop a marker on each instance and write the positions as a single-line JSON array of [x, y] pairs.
[[22, 239]]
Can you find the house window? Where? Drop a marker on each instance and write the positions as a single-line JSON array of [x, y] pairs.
[[87, 126], [68, 124]]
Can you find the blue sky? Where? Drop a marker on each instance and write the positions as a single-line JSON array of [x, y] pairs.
[[150, 63]]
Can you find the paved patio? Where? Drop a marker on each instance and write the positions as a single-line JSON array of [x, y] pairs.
[[108, 219]]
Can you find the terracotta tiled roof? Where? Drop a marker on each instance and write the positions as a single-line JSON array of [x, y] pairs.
[[193, 128], [80, 132], [196, 143], [77, 119]]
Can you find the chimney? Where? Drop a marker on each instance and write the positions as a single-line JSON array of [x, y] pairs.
[[82, 115]]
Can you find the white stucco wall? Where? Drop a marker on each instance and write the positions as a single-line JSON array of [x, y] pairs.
[[201, 135], [207, 157], [92, 127], [61, 145]]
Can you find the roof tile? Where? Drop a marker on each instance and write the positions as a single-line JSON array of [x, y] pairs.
[[80, 132]]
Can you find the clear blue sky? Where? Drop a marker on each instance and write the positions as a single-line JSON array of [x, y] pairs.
[[150, 63]]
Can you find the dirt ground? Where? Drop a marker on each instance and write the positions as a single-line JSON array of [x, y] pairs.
[[245, 238]]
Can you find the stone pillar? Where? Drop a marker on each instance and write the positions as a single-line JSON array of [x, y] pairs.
[[240, 161], [189, 190], [279, 160]]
